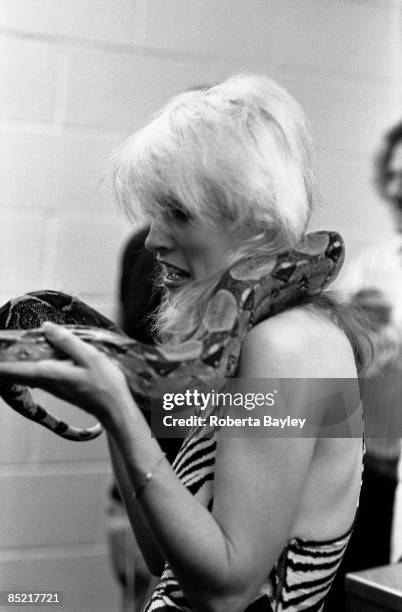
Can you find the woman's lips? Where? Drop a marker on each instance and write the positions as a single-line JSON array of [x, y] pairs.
[[172, 275]]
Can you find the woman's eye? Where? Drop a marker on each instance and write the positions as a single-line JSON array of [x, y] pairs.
[[179, 215]]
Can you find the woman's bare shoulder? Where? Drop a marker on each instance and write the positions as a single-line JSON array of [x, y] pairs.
[[299, 342]]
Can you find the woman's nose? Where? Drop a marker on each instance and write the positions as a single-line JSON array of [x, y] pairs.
[[158, 238]]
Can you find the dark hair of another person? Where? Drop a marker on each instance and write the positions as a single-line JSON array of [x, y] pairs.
[[392, 138]]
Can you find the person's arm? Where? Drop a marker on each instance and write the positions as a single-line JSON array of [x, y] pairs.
[[148, 544], [219, 559]]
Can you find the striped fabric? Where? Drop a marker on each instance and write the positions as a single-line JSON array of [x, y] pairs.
[[303, 574]]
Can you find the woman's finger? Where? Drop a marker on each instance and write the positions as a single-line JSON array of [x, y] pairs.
[[64, 339], [12, 373], [35, 373]]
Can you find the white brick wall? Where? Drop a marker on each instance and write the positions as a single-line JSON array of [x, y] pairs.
[[343, 37], [28, 182], [28, 72], [119, 91], [217, 28], [81, 572], [76, 77], [106, 21]]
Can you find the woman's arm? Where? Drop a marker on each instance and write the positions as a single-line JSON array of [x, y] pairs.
[[148, 544], [219, 559]]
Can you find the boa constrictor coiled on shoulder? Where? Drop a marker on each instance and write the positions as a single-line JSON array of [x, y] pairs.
[[244, 296]]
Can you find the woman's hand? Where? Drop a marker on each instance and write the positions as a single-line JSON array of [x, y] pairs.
[[87, 378]]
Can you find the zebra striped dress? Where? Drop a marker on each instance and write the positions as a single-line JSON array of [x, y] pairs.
[[303, 573]]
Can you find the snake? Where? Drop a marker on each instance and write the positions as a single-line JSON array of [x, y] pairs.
[[244, 295]]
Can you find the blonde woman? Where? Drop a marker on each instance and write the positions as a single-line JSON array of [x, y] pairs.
[[240, 523]]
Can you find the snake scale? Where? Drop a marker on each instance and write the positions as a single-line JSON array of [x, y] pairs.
[[245, 295]]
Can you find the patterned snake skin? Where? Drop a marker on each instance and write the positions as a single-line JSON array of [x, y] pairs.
[[241, 299]]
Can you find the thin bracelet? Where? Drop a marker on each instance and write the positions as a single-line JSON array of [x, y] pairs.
[[148, 477]]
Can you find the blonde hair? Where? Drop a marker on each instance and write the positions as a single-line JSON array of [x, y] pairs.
[[238, 152]]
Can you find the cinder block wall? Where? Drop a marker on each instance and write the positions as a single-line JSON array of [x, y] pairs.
[[77, 77]]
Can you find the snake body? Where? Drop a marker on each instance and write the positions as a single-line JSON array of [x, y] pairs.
[[245, 295]]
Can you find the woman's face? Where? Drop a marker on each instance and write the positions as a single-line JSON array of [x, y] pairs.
[[189, 250]]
